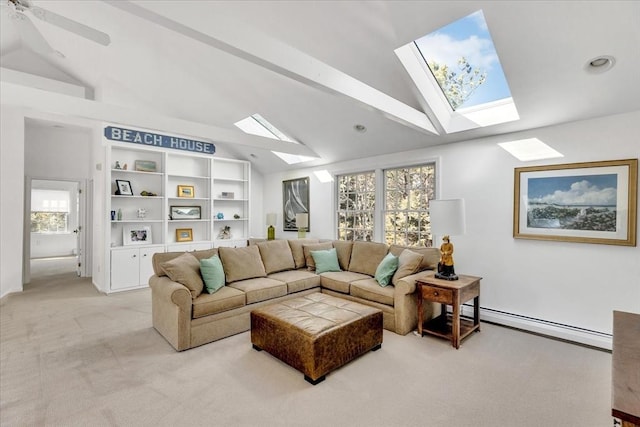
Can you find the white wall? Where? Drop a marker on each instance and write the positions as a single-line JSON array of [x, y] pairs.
[[11, 199], [573, 284]]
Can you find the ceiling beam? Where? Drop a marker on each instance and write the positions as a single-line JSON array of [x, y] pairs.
[[267, 52]]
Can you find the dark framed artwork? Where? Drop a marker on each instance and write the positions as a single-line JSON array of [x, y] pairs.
[[591, 202], [123, 188], [185, 212], [295, 200]]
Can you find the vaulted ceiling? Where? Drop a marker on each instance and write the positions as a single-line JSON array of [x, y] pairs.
[[314, 68]]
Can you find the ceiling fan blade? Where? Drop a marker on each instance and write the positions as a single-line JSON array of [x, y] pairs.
[[30, 34], [70, 25]]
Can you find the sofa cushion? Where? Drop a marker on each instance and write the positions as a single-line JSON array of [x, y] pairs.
[[160, 257], [311, 265], [343, 248], [260, 289], [365, 257], [340, 281], [298, 252], [370, 290], [242, 263], [326, 260], [185, 269], [297, 280], [408, 263], [276, 256], [225, 299], [386, 268], [430, 256], [212, 273]]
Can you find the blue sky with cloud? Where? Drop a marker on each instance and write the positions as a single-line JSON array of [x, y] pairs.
[[589, 190]]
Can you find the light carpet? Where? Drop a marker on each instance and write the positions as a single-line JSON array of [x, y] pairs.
[[71, 356]]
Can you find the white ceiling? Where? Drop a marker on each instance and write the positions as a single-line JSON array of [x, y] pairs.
[[543, 48]]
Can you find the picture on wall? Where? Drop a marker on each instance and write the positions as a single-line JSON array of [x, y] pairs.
[[136, 235], [295, 200], [591, 202]]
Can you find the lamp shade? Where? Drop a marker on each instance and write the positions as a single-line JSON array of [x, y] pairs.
[[302, 220], [272, 218], [447, 217]]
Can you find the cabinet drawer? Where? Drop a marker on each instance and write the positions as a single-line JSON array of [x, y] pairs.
[[444, 296]]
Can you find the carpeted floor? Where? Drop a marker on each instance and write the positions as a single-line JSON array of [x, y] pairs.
[[71, 356]]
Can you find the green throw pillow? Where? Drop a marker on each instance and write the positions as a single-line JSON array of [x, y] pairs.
[[212, 273], [326, 260], [386, 269]]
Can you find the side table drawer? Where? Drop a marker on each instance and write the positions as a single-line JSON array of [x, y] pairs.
[[443, 296]]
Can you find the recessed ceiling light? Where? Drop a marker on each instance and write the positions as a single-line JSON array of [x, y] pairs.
[[600, 64], [529, 149], [360, 128]]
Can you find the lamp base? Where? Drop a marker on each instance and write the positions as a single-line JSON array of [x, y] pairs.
[[271, 233], [302, 233]]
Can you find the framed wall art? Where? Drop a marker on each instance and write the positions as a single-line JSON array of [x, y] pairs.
[[591, 202], [184, 235], [187, 191], [136, 235], [145, 166], [295, 200], [185, 212]]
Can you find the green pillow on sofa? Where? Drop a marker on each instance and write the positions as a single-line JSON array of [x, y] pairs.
[[326, 260], [212, 273], [386, 269]]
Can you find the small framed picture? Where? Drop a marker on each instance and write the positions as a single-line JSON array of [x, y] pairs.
[[186, 191], [184, 235], [136, 235], [123, 188], [145, 166], [185, 212]]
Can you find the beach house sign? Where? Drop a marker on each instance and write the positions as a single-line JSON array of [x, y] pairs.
[[157, 140]]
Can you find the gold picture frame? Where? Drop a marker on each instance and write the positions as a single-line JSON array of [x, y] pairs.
[[184, 235], [589, 202], [187, 191]]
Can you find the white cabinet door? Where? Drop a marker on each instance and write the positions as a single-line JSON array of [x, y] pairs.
[[125, 268], [146, 265]]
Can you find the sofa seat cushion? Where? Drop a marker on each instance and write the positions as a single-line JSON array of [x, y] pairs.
[[371, 290], [276, 256], [260, 289], [226, 298], [366, 256], [339, 280], [297, 280]]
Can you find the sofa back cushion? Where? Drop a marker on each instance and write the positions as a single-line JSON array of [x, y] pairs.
[[160, 257], [343, 248], [298, 252], [276, 256], [185, 269], [241, 263], [430, 256], [365, 257], [408, 263], [311, 265]]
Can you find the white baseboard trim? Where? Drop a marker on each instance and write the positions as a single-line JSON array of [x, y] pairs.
[[543, 327]]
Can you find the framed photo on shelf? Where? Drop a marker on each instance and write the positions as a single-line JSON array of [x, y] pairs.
[[145, 166], [184, 235], [185, 212], [123, 188], [187, 191], [295, 200], [591, 202], [136, 235]]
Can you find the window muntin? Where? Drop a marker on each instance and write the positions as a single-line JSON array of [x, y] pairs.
[[407, 193], [356, 206]]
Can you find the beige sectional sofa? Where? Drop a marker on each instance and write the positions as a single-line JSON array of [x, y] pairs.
[[270, 271]]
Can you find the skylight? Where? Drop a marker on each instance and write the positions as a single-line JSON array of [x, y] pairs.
[[258, 125], [457, 70], [529, 149]]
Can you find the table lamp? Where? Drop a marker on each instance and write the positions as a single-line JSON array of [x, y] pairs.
[[302, 222], [447, 218], [271, 230]]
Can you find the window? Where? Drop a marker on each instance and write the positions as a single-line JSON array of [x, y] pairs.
[[356, 206], [407, 194], [50, 211]]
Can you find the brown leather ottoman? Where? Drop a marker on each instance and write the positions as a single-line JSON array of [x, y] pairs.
[[316, 333]]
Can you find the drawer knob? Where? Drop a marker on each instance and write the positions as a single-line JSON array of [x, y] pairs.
[[435, 293]]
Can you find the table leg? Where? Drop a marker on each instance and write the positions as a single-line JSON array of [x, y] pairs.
[[476, 312], [455, 324], [420, 313]]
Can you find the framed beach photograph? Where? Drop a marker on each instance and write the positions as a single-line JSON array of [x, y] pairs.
[[136, 235], [187, 191], [295, 200], [184, 235], [145, 166], [185, 212], [591, 202], [123, 188]]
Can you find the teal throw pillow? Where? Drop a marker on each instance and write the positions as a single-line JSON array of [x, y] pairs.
[[386, 269], [212, 273], [326, 260]]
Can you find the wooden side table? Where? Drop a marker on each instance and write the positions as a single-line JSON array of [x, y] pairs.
[[454, 293], [625, 366]]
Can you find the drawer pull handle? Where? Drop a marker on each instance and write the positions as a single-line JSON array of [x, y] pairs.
[[435, 293]]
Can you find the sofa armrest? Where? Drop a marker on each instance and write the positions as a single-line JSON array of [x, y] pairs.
[[171, 307], [407, 285]]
